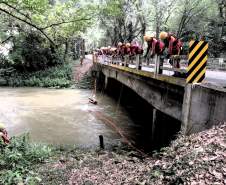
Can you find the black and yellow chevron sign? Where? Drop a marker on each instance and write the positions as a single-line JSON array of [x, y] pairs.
[[196, 70]]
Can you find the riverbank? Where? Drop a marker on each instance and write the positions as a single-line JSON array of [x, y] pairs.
[[70, 74], [196, 159], [59, 76]]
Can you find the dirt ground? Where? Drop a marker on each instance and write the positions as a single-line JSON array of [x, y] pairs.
[[197, 159]]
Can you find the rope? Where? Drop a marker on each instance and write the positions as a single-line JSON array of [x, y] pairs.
[[111, 123]]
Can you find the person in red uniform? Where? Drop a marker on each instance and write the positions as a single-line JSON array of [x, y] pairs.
[[127, 53], [121, 51], [149, 40], [174, 46], [136, 49], [3, 134], [155, 47], [128, 49]]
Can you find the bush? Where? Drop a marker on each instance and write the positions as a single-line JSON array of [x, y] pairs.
[[59, 76], [18, 157]]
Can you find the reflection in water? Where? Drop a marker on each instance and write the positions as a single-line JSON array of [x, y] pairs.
[[61, 116]]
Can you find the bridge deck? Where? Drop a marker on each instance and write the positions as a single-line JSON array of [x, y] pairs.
[[147, 74], [214, 77]]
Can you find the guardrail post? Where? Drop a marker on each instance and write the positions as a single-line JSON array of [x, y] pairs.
[[138, 62], [161, 61], [111, 60], [126, 61], [157, 64]]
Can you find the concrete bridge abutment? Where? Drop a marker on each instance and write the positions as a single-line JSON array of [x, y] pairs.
[[196, 107]]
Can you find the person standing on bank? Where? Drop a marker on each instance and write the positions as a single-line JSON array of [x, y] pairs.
[[3, 134]]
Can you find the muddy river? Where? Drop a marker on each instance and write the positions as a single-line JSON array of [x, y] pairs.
[[63, 117]]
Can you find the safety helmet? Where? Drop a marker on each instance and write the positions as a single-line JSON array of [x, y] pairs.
[[153, 35], [2, 126], [119, 44], [128, 44], [147, 38], [113, 49], [163, 35]]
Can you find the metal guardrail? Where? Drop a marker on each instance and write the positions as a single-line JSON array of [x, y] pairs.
[[139, 62]]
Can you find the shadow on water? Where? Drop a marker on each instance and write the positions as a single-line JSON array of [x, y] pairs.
[[146, 136]]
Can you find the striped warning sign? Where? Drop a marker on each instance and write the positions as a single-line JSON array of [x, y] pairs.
[[197, 61]]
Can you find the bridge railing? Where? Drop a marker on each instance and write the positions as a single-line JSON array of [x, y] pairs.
[[157, 64]]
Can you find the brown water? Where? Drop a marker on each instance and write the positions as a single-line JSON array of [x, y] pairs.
[[61, 117]]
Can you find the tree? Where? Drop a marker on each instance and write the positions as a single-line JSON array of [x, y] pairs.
[[123, 20], [59, 23]]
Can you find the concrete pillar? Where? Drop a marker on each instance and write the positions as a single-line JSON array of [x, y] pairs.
[[186, 109], [105, 82], [154, 121]]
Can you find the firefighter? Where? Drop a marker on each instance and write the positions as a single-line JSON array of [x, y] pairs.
[[128, 49], [157, 48], [136, 49], [149, 40], [127, 52], [174, 46], [4, 134], [120, 52], [121, 49]]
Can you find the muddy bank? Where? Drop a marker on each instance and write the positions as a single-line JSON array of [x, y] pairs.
[[197, 159]]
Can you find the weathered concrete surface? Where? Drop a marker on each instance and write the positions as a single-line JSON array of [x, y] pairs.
[[164, 95], [197, 107], [204, 106]]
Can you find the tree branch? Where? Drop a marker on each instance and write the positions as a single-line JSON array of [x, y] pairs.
[[14, 8], [65, 22], [4, 41], [30, 24]]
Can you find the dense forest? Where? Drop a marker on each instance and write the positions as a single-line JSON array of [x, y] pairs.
[[37, 34]]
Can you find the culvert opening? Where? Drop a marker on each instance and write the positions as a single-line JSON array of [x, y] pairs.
[[147, 135]]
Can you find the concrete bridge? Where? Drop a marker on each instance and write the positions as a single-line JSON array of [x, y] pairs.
[[197, 107]]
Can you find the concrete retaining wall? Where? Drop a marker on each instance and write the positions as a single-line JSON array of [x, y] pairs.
[[203, 107]]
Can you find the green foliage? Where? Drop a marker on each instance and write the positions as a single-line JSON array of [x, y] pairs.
[[58, 77], [17, 158], [30, 53], [57, 21]]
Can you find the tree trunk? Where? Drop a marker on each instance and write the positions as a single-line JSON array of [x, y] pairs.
[[66, 50]]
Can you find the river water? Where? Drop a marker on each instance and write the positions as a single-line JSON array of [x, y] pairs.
[[63, 117]]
